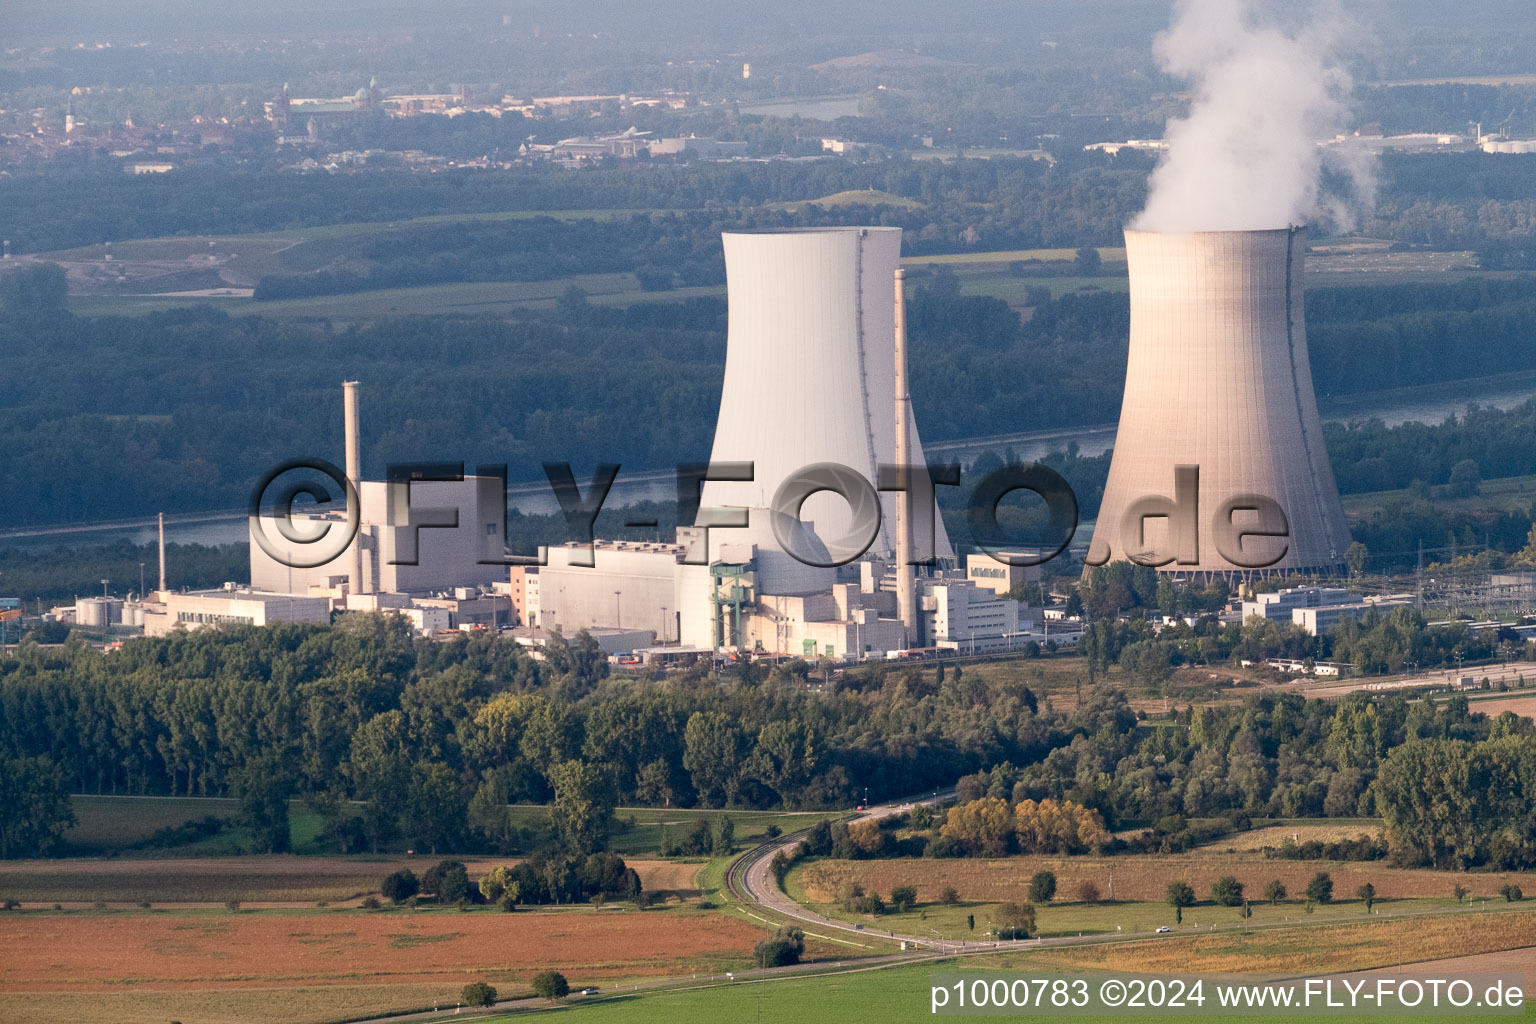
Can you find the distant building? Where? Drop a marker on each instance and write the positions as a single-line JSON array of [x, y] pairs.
[[985, 571], [240, 606], [1281, 603], [1318, 621]]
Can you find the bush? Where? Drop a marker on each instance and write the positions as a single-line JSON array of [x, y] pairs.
[[1042, 887], [1228, 891], [781, 950], [1087, 892], [1015, 921], [399, 886], [477, 993], [550, 985], [904, 898], [372, 903], [949, 897], [1511, 894], [233, 906]]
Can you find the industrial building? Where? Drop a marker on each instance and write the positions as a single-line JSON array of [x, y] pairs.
[[1279, 604], [241, 606], [1219, 466], [814, 375]]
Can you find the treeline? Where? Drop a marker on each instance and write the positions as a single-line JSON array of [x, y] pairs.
[[1390, 640], [1454, 787], [435, 739], [62, 574]]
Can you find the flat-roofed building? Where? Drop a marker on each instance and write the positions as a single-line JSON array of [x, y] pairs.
[[199, 609]]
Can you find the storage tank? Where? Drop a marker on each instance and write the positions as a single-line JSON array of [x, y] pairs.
[[809, 378], [97, 612], [1217, 378]]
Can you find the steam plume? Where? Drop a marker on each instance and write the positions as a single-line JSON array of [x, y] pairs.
[[1246, 156]]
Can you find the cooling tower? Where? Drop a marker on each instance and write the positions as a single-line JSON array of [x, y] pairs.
[[809, 378], [1219, 464]]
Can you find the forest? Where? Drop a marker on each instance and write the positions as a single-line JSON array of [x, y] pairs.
[[434, 739]]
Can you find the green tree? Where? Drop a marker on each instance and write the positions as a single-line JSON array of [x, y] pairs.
[[435, 806], [1227, 891], [381, 773], [1274, 891], [1042, 887], [35, 798], [713, 754], [550, 985], [1088, 263], [1180, 895], [583, 809], [1320, 889], [1355, 556], [781, 949], [262, 787], [40, 288], [904, 898], [1465, 479], [1367, 892], [723, 844], [477, 993], [1511, 893], [1015, 921], [400, 886]]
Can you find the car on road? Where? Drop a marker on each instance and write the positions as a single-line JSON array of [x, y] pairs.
[[590, 990], [1164, 930]]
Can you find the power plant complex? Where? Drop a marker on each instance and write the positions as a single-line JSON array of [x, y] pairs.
[[817, 534]]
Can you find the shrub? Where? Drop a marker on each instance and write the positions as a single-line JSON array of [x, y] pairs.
[[399, 886], [773, 831], [1461, 892], [507, 904], [233, 906], [1511, 894], [1015, 920], [550, 985], [780, 950], [477, 993], [949, 897], [904, 898], [1227, 891], [371, 903], [1087, 892]]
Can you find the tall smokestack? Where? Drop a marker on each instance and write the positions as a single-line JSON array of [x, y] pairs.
[[162, 552], [905, 606], [355, 475], [1219, 465]]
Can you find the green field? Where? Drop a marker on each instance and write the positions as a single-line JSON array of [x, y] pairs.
[[890, 994], [118, 824]]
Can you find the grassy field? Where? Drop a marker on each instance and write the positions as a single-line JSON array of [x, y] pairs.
[[118, 824], [902, 994], [853, 197], [1498, 495]]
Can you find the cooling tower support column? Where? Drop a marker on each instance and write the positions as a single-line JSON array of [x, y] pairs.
[[355, 475], [906, 606]]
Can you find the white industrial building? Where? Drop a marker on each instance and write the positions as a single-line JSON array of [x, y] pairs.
[[471, 553], [239, 606], [1279, 604], [629, 585]]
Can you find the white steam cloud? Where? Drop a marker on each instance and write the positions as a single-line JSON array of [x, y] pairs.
[[1246, 156]]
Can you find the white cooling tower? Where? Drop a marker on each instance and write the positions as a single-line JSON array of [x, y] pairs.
[[809, 378], [1218, 379]]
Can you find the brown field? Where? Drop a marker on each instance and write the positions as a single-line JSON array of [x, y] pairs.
[[1523, 706], [1329, 949], [1143, 878], [74, 953], [1273, 835], [272, 881]]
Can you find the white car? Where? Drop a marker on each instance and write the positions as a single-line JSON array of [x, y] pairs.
[[1164, 930], [590, 990]]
